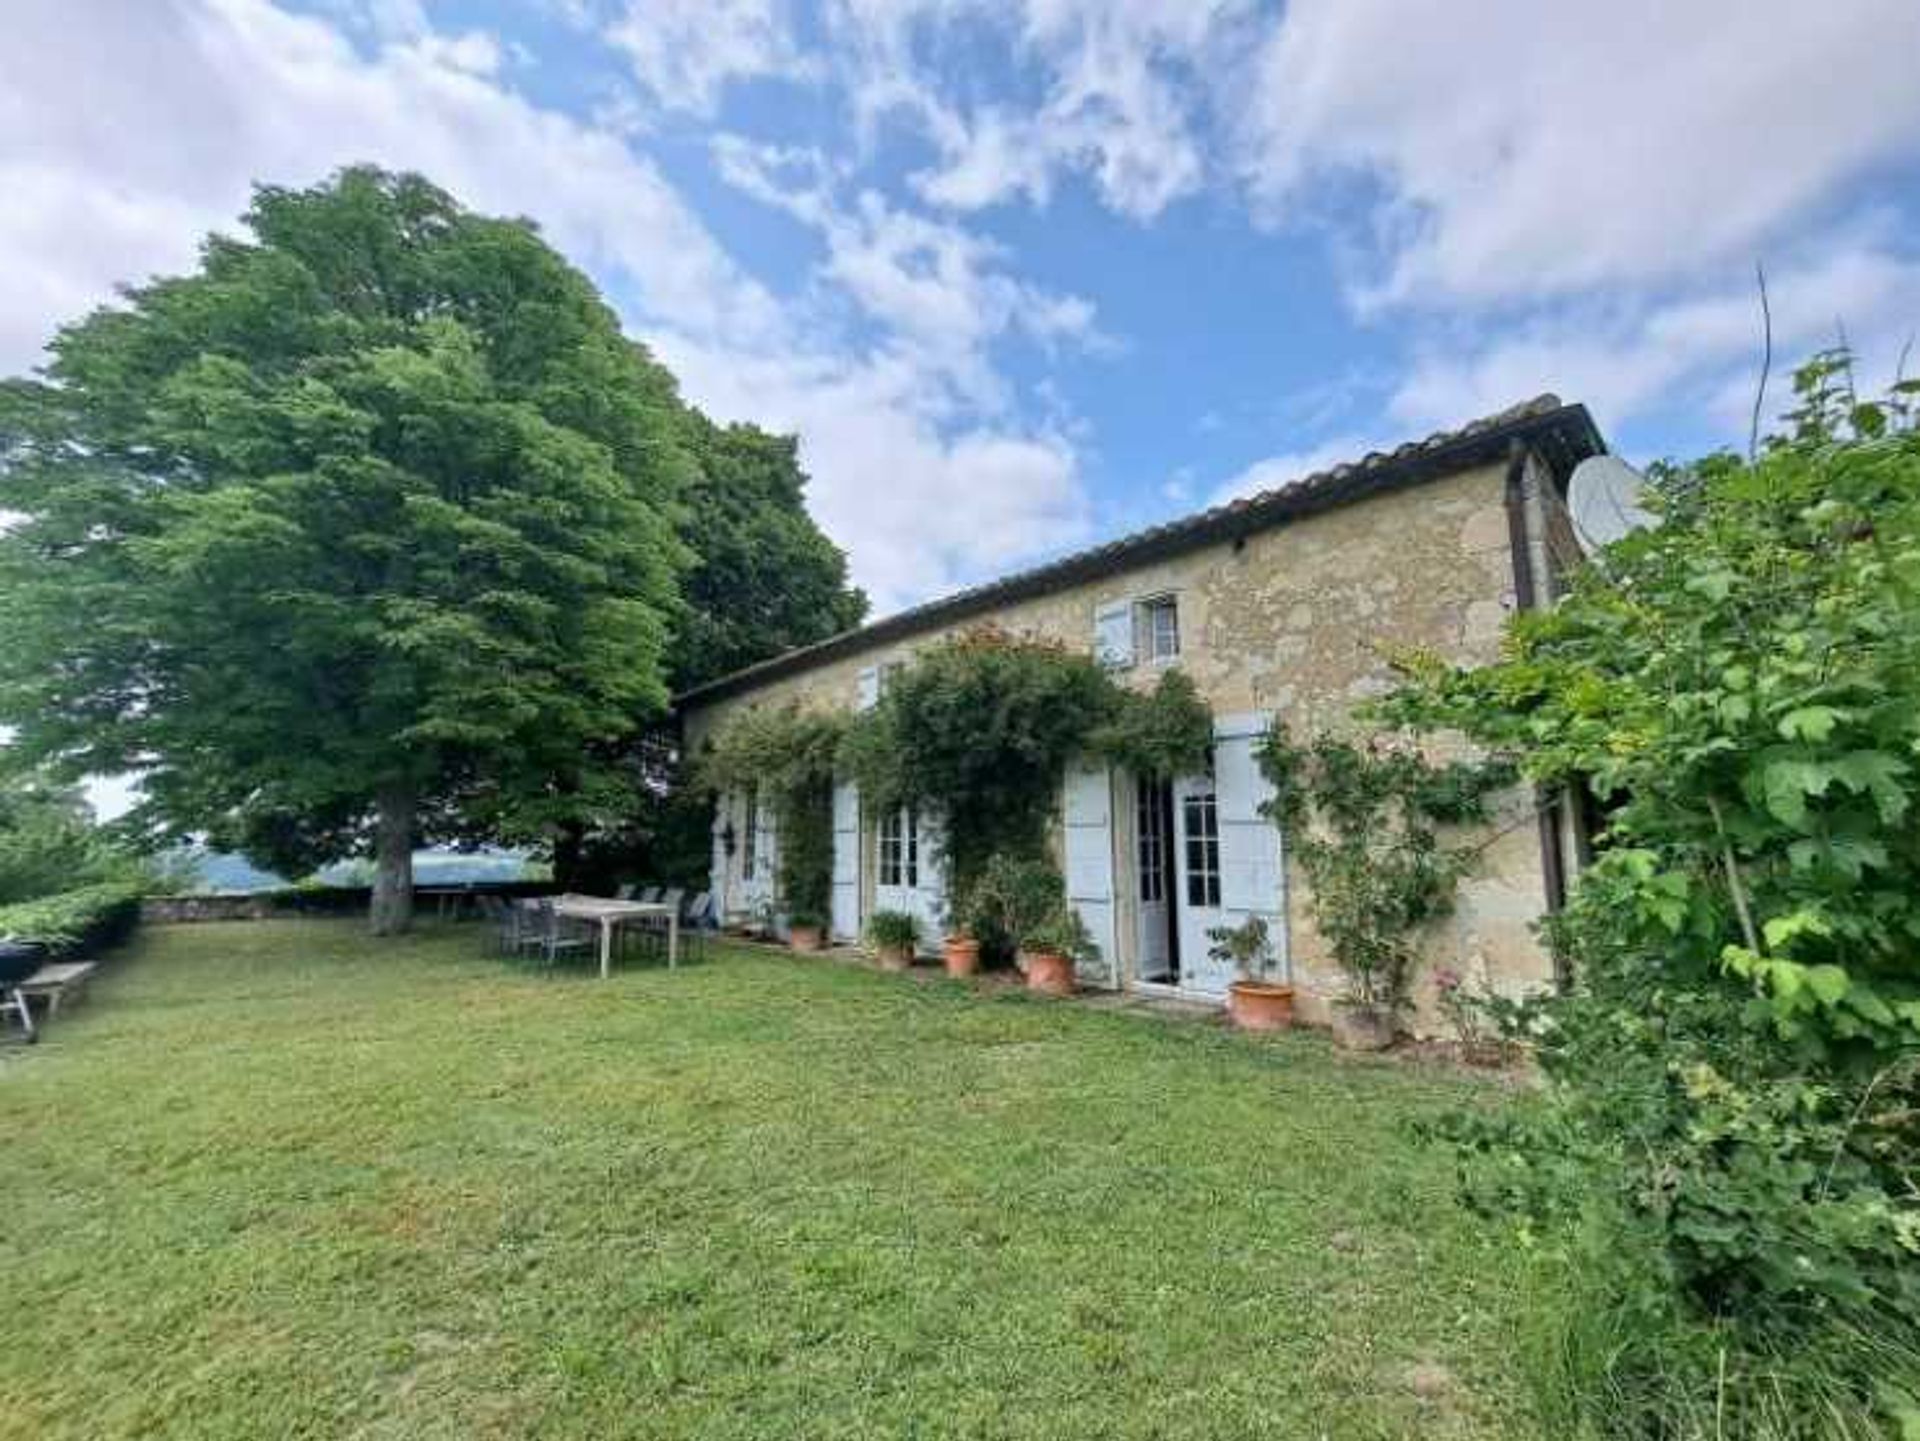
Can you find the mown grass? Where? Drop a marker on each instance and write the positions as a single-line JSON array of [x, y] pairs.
[[279, 1180]]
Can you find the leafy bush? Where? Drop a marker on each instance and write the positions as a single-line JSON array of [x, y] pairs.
[[1247, 946], [49, 843], [1731, 1139], [1166, 731], [75, 922], [894, 930], [1061, 932], [1010, 898]]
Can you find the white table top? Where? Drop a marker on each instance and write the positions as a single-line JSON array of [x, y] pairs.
[[608, 908]]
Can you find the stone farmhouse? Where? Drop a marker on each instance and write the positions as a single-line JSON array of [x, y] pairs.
[[1289, 602]]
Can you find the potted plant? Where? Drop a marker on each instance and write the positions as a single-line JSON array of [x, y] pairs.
[[1254, 1002], [1011, 898], [960, 952], [1053, 947], [960, 945], [1368, 823], [894, 934], [806, 930], [1367, 1017]]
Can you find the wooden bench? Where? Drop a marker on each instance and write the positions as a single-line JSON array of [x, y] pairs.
[[58, 982]]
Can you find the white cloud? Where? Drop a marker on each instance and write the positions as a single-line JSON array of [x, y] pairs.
[[1119, 94], [942, 293], [922, 506], [1700, 351], [1519, 150], [686, 52], [1274, 472], [189, 102]]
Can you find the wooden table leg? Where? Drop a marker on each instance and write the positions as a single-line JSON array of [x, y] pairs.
[[673, 939]]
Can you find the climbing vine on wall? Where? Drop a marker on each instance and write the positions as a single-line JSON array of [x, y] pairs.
[[1364, 821], [979, 729], [789, 754]]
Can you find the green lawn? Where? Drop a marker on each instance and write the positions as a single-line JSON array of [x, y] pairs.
[[278, 1180]]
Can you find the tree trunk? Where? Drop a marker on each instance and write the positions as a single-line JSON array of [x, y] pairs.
[[392, 908]]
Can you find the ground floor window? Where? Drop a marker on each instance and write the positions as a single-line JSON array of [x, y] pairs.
[[750, 845], [1202, 818], [900, 848]]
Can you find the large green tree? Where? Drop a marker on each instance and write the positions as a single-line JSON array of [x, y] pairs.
[[360, 535], [764, 578]]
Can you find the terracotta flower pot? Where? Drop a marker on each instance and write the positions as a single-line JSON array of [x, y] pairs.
[[1260, 1005], [961, 955], [1362, 1028], [1049, 974], [806, 938], [893, 958]]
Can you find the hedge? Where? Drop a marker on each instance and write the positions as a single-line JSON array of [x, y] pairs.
[[75, 922]]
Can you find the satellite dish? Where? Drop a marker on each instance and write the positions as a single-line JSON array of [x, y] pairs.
[[1603, 500]]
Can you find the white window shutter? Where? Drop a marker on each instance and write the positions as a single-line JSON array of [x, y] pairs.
[[1252, 850], [1087, 817], [1113, 634], [846, 861], [869, 687]]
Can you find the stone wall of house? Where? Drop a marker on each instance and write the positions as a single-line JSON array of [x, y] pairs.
[[1302, 620]]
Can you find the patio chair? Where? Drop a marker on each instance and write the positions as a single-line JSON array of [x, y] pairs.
[[698, 924], [503, 923], [623, 891], [553, 935], [651, 931]]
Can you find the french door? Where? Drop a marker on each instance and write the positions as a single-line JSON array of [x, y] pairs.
[[1197, 885], [910, 874], [1153, 880]]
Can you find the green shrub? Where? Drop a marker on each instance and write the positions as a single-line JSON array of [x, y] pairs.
[[1061, 932], [894, 930], [75, 922], [1729, 1147], [1009, 899]]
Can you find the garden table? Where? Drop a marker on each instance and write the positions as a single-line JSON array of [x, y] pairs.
[[608, 913]]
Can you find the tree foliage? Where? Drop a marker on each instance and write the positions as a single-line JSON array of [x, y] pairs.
[[369, 515], [764, 578], [1736, 1097], [50, 843]]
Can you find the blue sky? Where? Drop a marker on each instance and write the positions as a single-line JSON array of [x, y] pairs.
[[1024, 275]]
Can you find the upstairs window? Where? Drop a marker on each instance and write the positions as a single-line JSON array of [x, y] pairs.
[[1157, 623]]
